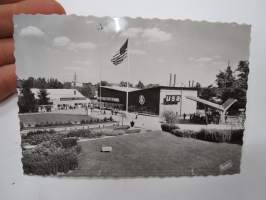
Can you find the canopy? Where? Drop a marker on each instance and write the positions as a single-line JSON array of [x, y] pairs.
[[225, 106]]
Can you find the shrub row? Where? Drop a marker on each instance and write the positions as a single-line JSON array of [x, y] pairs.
[[124, 127], [90, 121], [42, 136], [47, 161], [86, 133], [69, 142], [168, 127], [221, 135], [212, 135], [32, 133]]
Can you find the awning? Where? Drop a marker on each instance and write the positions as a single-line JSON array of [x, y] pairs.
[[211, 104]]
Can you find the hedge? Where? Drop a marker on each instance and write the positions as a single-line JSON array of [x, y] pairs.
[[221, 135], [169, 127], [212, 135], [86, 133], [52, 160]]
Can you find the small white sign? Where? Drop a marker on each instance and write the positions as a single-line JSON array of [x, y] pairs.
[[106, 149]]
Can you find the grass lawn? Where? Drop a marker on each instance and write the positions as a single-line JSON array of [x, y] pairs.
[[51, 117], [155, 153]]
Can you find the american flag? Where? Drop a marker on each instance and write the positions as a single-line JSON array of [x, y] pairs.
[[121, 54]]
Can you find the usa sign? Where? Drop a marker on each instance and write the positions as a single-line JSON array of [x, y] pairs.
[[171, 99]]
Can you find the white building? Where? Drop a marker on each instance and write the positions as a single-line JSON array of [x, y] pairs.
[[63, 99]]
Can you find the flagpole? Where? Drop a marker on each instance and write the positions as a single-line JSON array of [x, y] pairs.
[[100, 28], [128, 75]]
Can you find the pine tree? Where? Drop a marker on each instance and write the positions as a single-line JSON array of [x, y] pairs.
[[27, 101], [43, 98], [225, 79], [140, 85]]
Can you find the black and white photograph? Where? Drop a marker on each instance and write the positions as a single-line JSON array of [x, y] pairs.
[[121, 97]]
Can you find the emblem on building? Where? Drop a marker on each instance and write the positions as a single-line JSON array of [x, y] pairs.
[[141, 99]]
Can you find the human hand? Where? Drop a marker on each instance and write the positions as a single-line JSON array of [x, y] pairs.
[[8, 8]]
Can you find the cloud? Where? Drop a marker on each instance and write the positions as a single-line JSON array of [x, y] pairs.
[[156, 35], [137, 52], [201, 59], [161, 60], [90, 22], [82, 46], [31, 31], [132, 32], [150, 34], [61, 41], [82, 62], [64, 41]]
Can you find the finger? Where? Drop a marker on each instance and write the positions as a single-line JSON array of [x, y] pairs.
[[7, 81], [6, 53], [9, 1], [27, 7]]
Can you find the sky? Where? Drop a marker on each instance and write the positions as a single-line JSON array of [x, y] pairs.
[[58, 46]]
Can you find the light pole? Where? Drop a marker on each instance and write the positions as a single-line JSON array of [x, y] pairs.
[[182, 84]]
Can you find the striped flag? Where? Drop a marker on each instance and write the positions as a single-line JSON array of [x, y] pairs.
[[121, 54]]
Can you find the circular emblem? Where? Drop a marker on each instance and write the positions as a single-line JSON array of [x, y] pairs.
[[141, 99]]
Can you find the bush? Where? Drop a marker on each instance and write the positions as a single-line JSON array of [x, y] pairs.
[[121, 127], [170, 117], [69, 142], [169, 127], [31, 133], [237, 136], [221, 135], [212, 135], [184, 133], [37, 137], [86, 133], [47, 161]]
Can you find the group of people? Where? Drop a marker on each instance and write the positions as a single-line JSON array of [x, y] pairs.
[[209, 117]]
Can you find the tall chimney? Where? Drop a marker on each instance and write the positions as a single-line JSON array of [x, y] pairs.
[[174, 79], [170, 81]]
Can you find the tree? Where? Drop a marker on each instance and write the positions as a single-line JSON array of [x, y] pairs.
[[170, 116], [87, 90], [198, 85], [124, 84], [40, 83], [207, 93], [140, 85], [53, 83], [67, 85], [29, 82], [235, 93], [27, 101], [225, 79], [242, 77], [43, 98]]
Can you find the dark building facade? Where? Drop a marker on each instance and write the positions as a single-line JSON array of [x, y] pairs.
[[152, 101], [112, 98], [145, 101]]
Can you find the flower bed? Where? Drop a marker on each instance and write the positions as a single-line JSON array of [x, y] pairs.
[[53, 153], [212, 135], [47, 159]]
